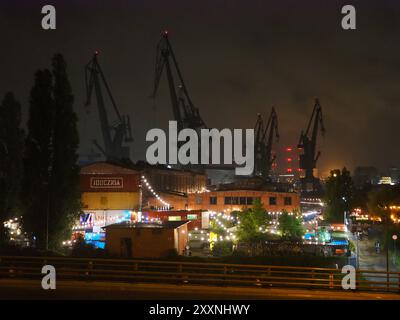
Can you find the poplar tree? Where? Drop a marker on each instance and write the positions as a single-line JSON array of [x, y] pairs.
[[66, 204], [35, 195], [51, 172]]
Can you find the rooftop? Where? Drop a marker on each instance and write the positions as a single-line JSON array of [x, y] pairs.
[[149, 225]]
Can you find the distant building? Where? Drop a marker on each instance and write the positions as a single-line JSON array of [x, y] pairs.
[[146, 240], [385, 180], [365, 175], [394, 173]]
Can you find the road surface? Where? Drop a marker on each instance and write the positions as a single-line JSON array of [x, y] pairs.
[[31, 289]]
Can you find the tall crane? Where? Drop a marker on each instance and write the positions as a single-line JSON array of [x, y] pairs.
[[264, 137], [308, 144], [185, 113], [115, 134]]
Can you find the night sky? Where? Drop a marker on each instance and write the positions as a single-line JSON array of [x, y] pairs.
[[238, 59]]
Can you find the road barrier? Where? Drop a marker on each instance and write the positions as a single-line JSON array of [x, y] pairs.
[[195, 273]]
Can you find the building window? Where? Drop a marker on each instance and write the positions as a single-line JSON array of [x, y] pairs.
[[272, 201], [242, 200], [213, 200], [288, 201], [174, 218], [191, 216], [228, 200], [235, 200], [249, 200]]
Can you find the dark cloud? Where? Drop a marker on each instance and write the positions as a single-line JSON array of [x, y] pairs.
[[238, 58]]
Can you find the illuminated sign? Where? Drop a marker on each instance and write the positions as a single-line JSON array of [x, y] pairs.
[[109, 182]]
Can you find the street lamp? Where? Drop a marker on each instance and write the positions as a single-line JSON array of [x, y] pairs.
[[394, 237], [387, 248]]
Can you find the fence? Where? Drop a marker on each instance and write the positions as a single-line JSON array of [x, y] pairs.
[[195, 273]]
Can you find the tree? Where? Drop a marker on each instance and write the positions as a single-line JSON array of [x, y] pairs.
[[65, 195], [338, 195], [51, 173], [380, 200], [290, 226], [251, 220], [11, 150], [38, 157]]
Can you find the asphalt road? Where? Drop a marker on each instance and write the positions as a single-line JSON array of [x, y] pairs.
[[31, 289]]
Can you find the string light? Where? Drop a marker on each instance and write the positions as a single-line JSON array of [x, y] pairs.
[[150, 188]]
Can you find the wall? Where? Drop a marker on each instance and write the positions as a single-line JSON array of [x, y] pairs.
[[110, 200], [147, 242]]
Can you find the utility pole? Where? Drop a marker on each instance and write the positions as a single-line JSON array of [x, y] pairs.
[[47, 213], [357, 252]]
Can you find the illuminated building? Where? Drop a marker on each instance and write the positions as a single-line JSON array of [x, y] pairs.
[[290, 171], [114, 193], [236, 196], [386, 180]]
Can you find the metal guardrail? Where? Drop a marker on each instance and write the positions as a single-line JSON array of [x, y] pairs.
[[195, 273]]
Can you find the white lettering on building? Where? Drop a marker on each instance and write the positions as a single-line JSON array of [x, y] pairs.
[[107, 182]]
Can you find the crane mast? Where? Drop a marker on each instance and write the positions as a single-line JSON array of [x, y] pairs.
[[272, 130], [259, 148], [114, 135], [264, 137], [185, 113], [309, 158]]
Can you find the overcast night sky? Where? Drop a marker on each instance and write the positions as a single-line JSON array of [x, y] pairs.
[[238, 59]]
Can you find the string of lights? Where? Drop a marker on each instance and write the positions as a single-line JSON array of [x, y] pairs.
[[218, 218], [146, 183]]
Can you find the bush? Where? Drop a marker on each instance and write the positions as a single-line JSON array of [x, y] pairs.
[[222, 248], [81, 249]]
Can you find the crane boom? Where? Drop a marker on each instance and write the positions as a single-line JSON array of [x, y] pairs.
[[185, 113], [272, 130], [309, 158], [113, 135], [264, 136]]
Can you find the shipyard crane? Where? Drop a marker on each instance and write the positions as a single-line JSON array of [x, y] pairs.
[[308, 144], [185, 113], [264, 137], [259, 148], [115, 134]]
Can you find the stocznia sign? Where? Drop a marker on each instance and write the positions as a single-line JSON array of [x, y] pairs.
[[107, 182]]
